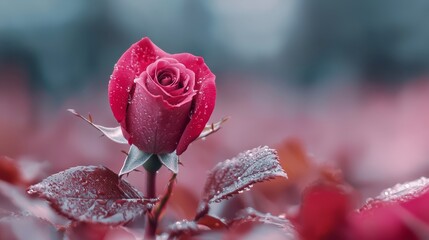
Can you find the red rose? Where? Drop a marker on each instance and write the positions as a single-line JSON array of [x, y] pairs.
[[162, 101]]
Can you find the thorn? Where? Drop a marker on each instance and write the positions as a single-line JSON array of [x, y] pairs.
[[90, 118], [125, 152]]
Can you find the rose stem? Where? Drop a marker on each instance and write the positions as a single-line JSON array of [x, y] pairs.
[[151, 193], [165, 198]]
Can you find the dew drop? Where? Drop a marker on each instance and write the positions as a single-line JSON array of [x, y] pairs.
[[31, 191], [84, 182]]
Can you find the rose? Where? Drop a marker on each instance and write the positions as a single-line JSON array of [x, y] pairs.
[[162, 101]]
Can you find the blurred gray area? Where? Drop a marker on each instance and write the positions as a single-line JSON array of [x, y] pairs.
[[65, 46]]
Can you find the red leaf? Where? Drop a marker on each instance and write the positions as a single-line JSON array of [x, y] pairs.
[[92, 194], [212, 222], [398, 193], [400, 212], [185, 227], [9, 170], [250, 217], [235, 175], [324, 210]]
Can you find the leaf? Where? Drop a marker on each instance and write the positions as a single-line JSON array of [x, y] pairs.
[[9, 170], [92, 194], [324, 210], [212, 128], [235, 175], [252, 216], [294, 160], [400, 212], [398, 193], [114, 134], [212, 222], [134, 159], [170, 160], [185, 227]]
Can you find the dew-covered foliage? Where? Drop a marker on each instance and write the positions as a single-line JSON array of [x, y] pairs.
[[238, 174], [401, 192], [334, 149], [92, 194], [250, 216], [184, 227]]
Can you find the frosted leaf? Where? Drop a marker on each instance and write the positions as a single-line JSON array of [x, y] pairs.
[[114, 134], [240, 173], [92, 194], [212, 128], [404, 190], [184, 227], [134, 159], [170, 160], [401, 192], [212, 222], [252, 216]]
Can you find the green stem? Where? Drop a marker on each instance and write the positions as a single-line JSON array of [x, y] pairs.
[[151, 193]]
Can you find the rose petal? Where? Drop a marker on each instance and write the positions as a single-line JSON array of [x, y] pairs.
[[157, 90], [204, 102], [195, 64], [129, 66], [154, 125], [203, 107]]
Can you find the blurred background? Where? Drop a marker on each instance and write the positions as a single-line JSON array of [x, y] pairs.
[[346, 80]]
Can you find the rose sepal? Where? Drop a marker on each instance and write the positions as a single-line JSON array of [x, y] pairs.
[[151, 162], [135, 158], [170, 160], [114, 134], [211, 128]]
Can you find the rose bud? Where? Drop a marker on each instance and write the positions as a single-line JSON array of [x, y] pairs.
[[162, 101]]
